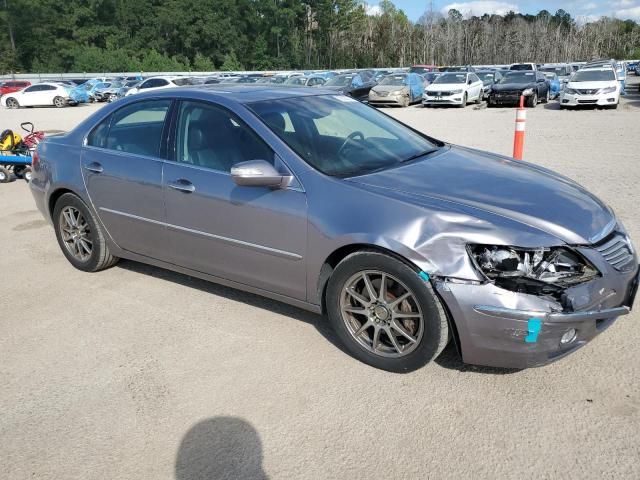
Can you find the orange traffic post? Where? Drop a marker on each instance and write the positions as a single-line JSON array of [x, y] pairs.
[[518, 139]]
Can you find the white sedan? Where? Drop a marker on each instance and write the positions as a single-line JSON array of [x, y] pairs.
[[454, 88], [40, 94], [157, 83], [592, 86]]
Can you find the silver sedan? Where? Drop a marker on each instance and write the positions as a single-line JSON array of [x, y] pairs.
[[312, 198]]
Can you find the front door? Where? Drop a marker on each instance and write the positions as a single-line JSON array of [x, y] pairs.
[[122, 168], [251, 235]]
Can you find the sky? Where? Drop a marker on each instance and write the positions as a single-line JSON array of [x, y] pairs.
[[585, 10]]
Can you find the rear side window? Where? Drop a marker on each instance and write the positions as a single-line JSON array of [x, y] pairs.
[[136, 129]]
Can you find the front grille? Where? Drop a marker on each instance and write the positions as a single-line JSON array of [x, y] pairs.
[[587, 92], [438, 94], [617, 251], [587, 101]]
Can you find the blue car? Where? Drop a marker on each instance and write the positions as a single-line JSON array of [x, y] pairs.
[[554, 84]]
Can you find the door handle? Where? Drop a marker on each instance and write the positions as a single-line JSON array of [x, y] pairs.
[[183, 185], [94, 167]]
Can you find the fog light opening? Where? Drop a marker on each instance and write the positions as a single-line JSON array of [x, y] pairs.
[[568, 337]]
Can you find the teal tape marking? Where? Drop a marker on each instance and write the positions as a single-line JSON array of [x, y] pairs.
[[424, 276], [534, 325]]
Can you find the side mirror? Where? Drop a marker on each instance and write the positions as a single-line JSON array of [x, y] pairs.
[[469, 82], [258, 173]]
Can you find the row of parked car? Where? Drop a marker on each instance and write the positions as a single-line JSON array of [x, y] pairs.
[[597, 83]]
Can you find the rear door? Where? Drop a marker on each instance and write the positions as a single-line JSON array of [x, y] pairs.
[[251, 235], [122, 168]]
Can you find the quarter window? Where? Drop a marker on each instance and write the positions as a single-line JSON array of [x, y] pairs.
[[212, 137]]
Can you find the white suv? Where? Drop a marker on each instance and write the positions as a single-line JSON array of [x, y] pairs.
[[592, 86]]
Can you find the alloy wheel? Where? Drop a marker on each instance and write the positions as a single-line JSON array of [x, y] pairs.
[[12, 103], [76, 233], [381, 314]]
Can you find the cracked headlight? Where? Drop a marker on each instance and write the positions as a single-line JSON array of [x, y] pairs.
[[535, 271]]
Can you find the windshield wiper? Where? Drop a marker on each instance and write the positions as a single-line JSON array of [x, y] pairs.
[[418, 155]]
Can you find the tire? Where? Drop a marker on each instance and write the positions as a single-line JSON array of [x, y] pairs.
[[425, 335], [12, 103], [59, 102], [27, 173], [405, 102], [18, 171], [546, 97], [464, 101], [533, 100], [5, 175], [99, 258]]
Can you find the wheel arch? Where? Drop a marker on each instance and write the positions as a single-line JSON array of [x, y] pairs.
[[55, 195], [342, 252]]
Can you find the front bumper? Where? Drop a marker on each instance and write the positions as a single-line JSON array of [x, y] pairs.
[[443, 100], [386, 100], [510, 98], [495, 329], [601, 100]]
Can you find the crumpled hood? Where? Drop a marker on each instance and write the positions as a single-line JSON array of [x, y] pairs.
[[509, 87], [509, 188]]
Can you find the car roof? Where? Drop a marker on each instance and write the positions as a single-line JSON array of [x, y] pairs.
[[243, 93]]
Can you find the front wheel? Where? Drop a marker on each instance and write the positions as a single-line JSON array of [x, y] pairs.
[[532, 101], [546, 97], [464, 101], [384, 313], [27, 173], [79, 235]]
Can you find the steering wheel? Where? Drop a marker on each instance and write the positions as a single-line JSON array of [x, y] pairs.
[[352, 136]]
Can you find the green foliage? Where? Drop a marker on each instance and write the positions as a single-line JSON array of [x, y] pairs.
[[231, 63], [180, 35]]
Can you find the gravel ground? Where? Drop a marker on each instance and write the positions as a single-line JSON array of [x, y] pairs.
[[139, 373]]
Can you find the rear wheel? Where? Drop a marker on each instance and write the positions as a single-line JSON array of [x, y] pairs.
[[59, 102], [384, 314], [18, 171], [12, 103], [5, 175], [79, 235]]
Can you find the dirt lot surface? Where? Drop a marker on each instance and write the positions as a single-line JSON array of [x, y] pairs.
[[138, 373]]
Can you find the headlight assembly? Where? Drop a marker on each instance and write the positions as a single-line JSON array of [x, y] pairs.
[[455, 92], [535, 271], [608, 90], [570, 91]]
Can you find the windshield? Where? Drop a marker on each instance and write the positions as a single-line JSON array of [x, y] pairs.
[[593, 76], [557, 70], [520, 77], [451, 78], [295, 81], [340, 81], [396, 80], [340, 136], [133, 83], [550, 75], [521, 66], [486, 76]]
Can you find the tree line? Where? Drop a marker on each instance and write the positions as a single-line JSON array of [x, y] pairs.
[[47, 36]]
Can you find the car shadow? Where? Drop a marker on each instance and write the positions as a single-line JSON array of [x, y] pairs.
[[220, 447], [229, 293], [552, 105], [449, 358]]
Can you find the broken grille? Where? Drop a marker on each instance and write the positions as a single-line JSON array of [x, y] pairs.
[[616, 251]]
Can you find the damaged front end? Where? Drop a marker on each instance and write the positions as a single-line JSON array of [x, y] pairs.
[[536, 305], [545, 272]]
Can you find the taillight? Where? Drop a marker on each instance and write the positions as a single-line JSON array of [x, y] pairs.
[[35, 159]]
